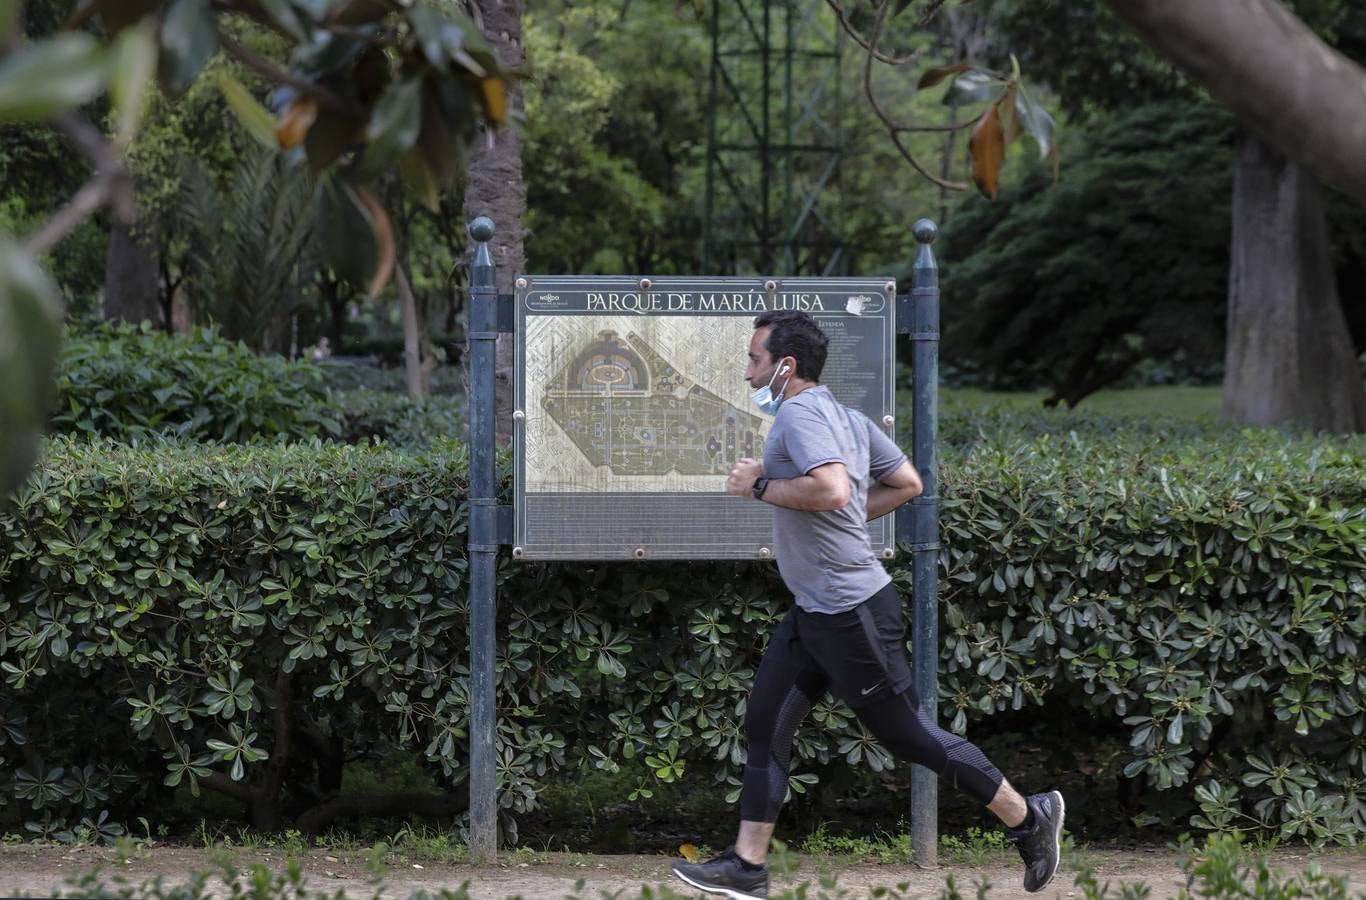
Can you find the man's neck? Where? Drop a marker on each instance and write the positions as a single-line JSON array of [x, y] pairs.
[[796, 386]]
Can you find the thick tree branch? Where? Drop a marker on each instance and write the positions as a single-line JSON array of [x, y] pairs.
[[1281, 81], [240, 791], [280, 753]]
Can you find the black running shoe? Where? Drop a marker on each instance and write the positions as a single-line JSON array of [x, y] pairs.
[[726, 874], [1040, 846]]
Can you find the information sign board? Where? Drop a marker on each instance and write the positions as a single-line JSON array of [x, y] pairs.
[[631, 406]]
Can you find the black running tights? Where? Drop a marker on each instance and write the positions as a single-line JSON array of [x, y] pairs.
[[789, 681]]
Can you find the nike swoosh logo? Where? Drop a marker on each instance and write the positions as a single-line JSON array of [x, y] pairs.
[[868, 691]]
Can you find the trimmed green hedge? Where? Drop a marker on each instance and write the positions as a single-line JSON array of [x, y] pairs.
[[253, 615]]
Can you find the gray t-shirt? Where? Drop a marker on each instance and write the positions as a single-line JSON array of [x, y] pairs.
[[824, 557]]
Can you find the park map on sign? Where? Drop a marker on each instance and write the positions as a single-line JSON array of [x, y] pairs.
[[637, 403]]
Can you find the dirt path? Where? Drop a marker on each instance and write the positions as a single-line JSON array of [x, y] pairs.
[[39, 871]]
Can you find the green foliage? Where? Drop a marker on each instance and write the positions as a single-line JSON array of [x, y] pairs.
[[207, 588], [619, 157], [1199, 593], [1222, 868], [1205, 591], [1070, 285], [401, 420], [1087, 56], [29, 317], [121, 382], [977, 846], [889, 849], [247, 248], [371, 85]]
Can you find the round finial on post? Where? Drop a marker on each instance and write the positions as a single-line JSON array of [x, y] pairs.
[[925, 231], [481, 229]]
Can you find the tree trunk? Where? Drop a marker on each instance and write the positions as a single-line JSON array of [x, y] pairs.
[[1289, 358], [412, 336], [1283, 83], [132, 280], [495, 189]]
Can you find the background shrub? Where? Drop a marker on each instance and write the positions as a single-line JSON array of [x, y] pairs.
[[122, 382], [255, 616], [399, 419]]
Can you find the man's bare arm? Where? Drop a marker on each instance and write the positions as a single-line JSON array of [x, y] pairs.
[[822, 489], [894, 490]]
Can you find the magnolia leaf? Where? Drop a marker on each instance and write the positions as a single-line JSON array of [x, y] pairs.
[[972, 88], [494, 93], [387, 250], [351, 13], [283, 14], [115, 14], [442, 153], [331, 135], [295, 122], [1010, 117], [420, 179], [987, 152], [436, 35], [936, 75], [344, 232], [1036, 122], [189, 38], [371, 76], [30, 323], [254, 117], [395, 122], [134, 66], [44, 78]]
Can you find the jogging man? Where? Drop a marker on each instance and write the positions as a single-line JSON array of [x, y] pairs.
[[828, 470]]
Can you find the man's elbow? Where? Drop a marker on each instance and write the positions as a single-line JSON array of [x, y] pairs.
[[839, 496], [915, 488]]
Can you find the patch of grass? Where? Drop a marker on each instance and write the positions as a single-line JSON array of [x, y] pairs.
[[884, 849], [976, 847], [425, 844], [529, 856], [1171, 402]]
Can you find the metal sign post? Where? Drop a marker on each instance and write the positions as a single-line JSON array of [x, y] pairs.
[[483, 546], [923, 516]]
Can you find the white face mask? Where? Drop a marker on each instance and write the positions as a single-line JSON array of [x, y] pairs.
[[764, 398]]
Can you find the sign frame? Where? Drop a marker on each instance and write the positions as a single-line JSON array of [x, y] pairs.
[[584, 524]]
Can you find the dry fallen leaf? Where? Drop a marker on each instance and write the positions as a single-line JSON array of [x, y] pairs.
[[690, 853]]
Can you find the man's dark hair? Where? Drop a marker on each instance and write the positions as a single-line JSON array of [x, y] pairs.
[[795, 334]]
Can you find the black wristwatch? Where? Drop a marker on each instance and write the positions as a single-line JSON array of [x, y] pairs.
[[760, 485]]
